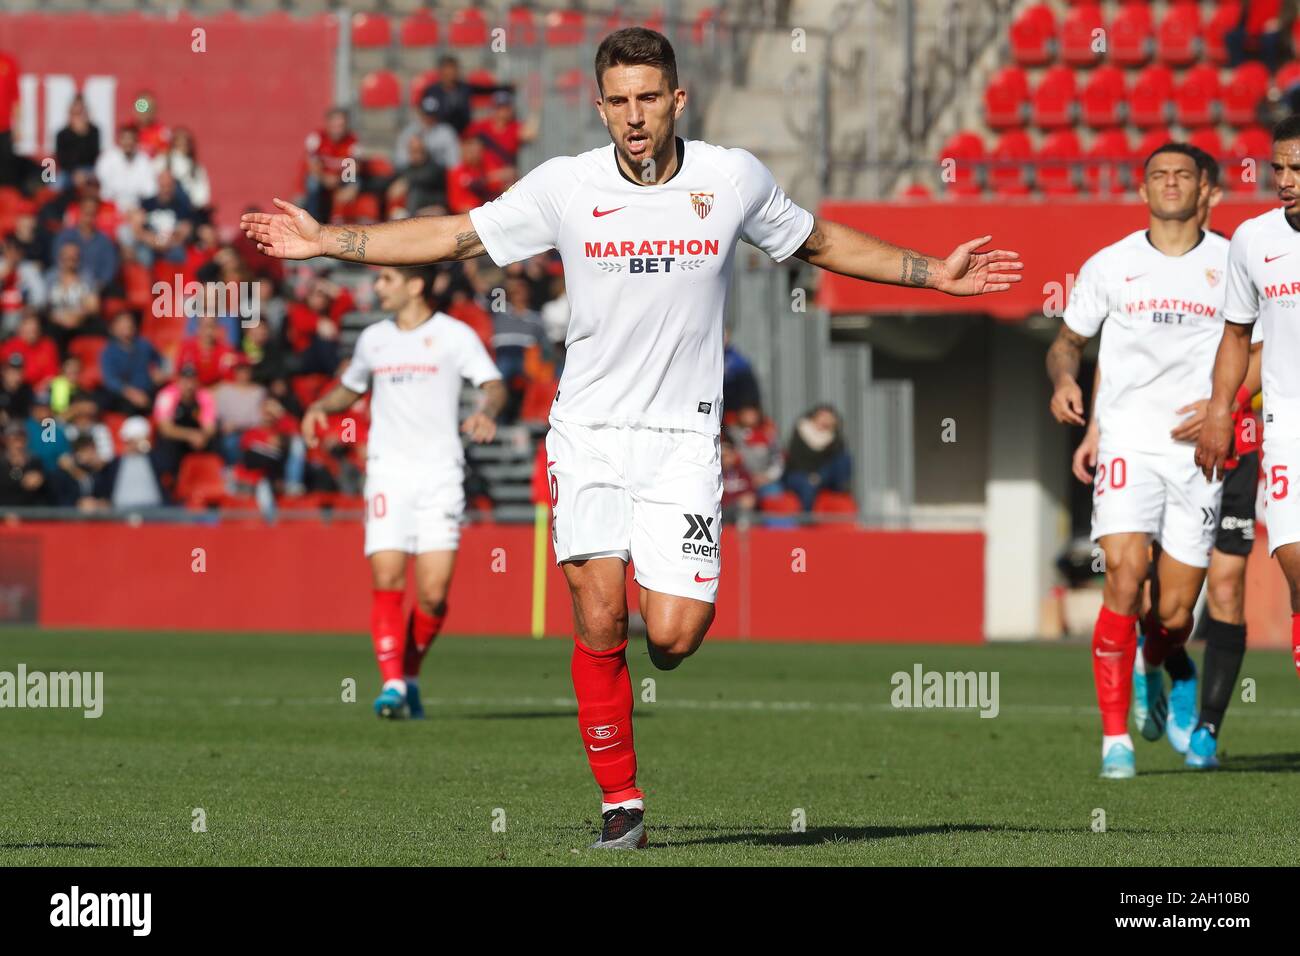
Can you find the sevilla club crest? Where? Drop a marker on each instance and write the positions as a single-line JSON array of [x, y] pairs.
[[1212, 276], [702, 203]]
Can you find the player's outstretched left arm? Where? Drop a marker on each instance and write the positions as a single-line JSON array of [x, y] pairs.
[[842, 249], [1230, 366], [481, 427]]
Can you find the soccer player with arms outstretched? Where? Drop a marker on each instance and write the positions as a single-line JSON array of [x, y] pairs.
[[647, 229], [1156, 296], [413, 365], [1264, 286]]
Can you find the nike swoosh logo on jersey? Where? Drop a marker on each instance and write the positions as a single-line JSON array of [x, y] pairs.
[[1131, 278], [700, 580], [596, 750], [598, 212], [1267, 260]]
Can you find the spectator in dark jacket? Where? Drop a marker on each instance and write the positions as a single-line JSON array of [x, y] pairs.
[[76, 147], [22, 479], [84, 481], [739, 383], [131, 368], [449, 97], [817, 458]]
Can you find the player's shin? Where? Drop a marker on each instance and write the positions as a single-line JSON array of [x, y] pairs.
[[387, 633], [1225, 646], [1295, 641], [603, 688], [421, 629], [1114, 645]]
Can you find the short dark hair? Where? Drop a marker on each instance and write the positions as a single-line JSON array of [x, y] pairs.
[[1289, 128], [1208, 165], [428, 273], [1182, 149], [636, 46]]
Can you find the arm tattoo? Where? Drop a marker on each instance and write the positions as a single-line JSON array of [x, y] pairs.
[[352, 242], [916, 269], [468, 245], [1064, 355], [814, 244]]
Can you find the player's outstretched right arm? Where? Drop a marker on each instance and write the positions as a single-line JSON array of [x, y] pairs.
[[293, 233], [1230, 366]]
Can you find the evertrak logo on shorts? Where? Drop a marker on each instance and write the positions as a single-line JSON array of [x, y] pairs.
[[699, 529], [651, 255]]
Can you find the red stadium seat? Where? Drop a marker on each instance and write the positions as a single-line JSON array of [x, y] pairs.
[[834, 503], [521, 28], [1006, 98], [1110, 156], [1207, 139], [1255, 144], [1243, 92], [371, 31], [481, 78], [1033, 36], [1079, 34], [1130, 36], [1196, 97], [1225, 17], [138, 286], [1287, 77], [1056, 162], [785, 503], [565, 28], [418, 30], [706, 25], [468, 27], [966, 152], [1013, 148], [200, 480], [164, 332], [654, 22], [1178, 38], [380, 90], [1103, 98], [1150, 98], [307, 388], [88, 349], [916, 191], [1053, 100]]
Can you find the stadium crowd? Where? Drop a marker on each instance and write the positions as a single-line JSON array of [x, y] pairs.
[[116, 393]]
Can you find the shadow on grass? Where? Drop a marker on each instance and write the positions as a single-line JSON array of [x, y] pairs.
[[815, 836], [51, 846], [1242, 763]]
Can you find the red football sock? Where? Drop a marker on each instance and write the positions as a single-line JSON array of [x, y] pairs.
[[1158, 641], [421, 630], [604, 691], [1114, 645], [1295, 641], [386, 632]]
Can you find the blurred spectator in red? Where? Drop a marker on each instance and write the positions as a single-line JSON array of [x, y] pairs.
[[440, 139], [470, 184], [333, 159], [266, 445], [207, 352], [185, 416], [313, 327], [420, 186], [131, 368], [738, 495], [155, 137], [22, 287], [97, 253], [9, 174], [76, 147], [817, 458], [40, 356], [71, 295], [451, 95], [181, 159], [502, 134], [125, 173], [758, 444], [15, 394], [23, 482]]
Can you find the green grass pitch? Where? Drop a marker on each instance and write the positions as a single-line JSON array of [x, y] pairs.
[[740, 742]]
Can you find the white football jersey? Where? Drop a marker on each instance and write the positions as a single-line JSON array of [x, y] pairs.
[[646, 268], [416, 377], [1161, 319], [1264, 284]]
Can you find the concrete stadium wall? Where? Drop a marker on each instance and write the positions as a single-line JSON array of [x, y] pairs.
[[815, 584]]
